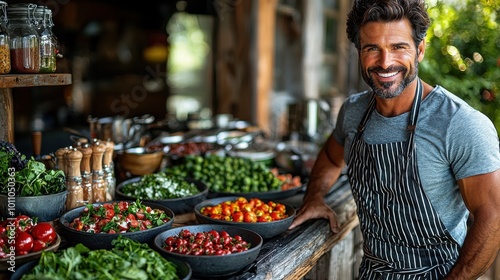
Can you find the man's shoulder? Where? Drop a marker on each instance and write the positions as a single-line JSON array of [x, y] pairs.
[[358, 100], [444, 108], [443, 100]]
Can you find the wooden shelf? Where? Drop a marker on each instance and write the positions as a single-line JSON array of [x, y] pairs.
[[9, 81], [34, 80]]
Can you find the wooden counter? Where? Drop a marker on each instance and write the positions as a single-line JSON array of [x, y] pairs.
[[306, 250], [310, 250]]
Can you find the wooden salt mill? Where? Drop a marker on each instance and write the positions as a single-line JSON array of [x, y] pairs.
[[99, 186], [36, 141], [74, 179], [86, 173], [108, 169], [61, 160]]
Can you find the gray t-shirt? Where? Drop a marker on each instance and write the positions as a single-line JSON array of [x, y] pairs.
[[453, 141]]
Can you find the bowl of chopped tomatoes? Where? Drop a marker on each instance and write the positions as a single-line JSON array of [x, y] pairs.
[[211, 250], [96, 225], [266, 217]]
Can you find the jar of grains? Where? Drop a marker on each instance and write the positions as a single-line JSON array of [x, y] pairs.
[[24, 39], [48, 41], [4, 40]]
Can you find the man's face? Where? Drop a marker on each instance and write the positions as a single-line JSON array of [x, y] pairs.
[[388, 56]]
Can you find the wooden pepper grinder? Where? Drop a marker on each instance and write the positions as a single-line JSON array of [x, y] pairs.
[[108, 168], [86, 172], [61, 160], [36, 141], [74, 179], [99, 187]]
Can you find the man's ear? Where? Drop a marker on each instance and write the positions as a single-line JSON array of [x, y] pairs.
[[421, 50]]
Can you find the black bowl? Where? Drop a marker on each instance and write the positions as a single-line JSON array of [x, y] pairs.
[[270, 195], [45, 207], [265, 229], [103, 240], [214, 265], [5, 263], [177, 205], [184, 271]]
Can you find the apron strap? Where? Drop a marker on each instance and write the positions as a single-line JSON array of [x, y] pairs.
[[366, 116], [413, 116], [415, 110]]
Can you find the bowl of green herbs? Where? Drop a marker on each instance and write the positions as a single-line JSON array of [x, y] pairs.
[[28, 187], [127, 259], [177, 193]]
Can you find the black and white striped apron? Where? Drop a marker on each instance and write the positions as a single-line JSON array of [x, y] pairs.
[[404, 237]]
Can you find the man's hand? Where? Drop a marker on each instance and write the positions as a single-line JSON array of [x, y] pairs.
[[316, 210]]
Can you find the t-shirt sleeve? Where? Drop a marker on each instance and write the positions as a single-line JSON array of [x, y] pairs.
[[338, 131], [472, 144]]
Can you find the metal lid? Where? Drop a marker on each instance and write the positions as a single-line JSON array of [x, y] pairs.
[[21, 10], [43, 13], [253, 153]]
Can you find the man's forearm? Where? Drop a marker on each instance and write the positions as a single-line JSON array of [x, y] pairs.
[[479, 250]]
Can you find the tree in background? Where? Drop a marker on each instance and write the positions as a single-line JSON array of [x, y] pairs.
[[463, 52]]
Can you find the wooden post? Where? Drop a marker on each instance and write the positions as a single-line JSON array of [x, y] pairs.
[[7, 82], [313, 49], [6, 115], [266, 18]]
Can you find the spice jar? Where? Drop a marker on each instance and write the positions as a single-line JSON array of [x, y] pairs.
[[48, 41], [24, 39], [74, 179], [4, 40]]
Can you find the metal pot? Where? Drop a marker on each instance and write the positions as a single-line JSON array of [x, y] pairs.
[[298, 157]]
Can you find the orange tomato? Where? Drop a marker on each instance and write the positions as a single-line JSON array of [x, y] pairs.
[[256, 202], [265, 218], [216, 210], [241, 200], [259, 212], [266, 208], [226, 210], [281, 208], [238, 216], [250, 217], [276, 216], [247, 207]]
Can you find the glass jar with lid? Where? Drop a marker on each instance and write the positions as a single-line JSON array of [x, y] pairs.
[[24, 39], [48, 41], [4, 40]]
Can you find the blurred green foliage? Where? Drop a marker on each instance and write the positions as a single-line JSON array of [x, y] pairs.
[[463, 52]]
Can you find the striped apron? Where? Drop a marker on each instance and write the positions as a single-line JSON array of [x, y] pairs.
[[403, 235]]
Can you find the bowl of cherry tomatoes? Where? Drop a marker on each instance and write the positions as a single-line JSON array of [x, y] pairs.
[[96, 225], [211, 250], [23, 239], [266, 217]]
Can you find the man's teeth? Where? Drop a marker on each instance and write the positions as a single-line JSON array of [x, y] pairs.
[[387, 75]]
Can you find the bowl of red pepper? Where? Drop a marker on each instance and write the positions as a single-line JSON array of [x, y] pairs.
[[97, 225]]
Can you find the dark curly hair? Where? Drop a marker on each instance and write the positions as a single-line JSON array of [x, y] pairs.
[[364, 11]]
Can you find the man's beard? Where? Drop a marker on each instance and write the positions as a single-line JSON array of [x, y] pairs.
[[384, 91]]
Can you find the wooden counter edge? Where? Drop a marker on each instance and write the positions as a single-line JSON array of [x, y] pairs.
[[310, 262]]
